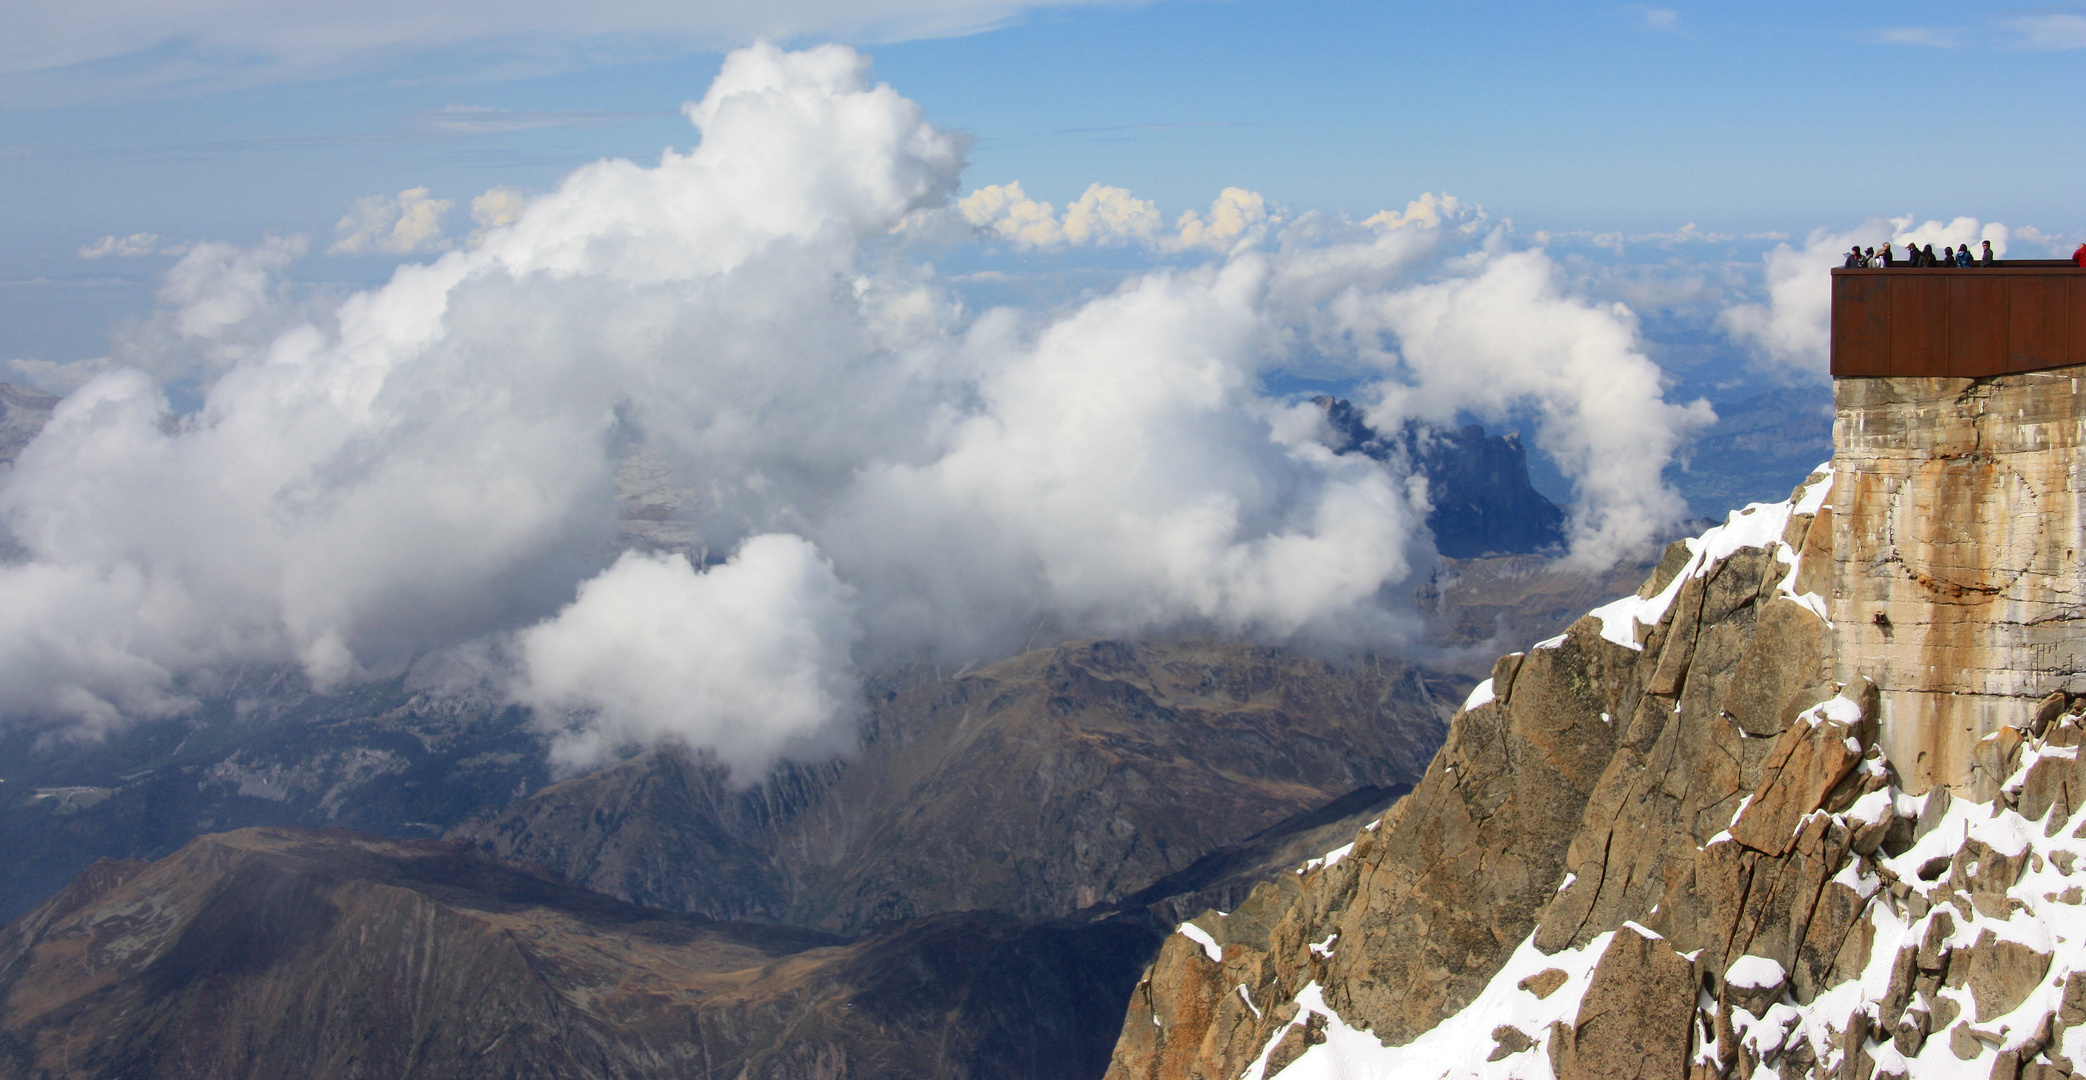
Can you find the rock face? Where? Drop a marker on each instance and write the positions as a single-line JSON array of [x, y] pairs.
[[272, 953], [1677, 842], [1062, 779], [1958, 537]]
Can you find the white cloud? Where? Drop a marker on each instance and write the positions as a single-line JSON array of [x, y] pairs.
[[1429, 210], [1665, 19], [1792, 330], [497, 207], [1111, 216], [1006, 211], [1506, 337], [123, 247], [1237, 217], [218, 286], [2056, 30], [58, 51], [425, 467], [749, 658], [407, 224]]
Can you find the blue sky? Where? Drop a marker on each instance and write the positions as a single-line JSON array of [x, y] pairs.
[[202, 121]]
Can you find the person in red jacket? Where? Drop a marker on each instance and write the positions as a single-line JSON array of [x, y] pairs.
[[2079, 256]]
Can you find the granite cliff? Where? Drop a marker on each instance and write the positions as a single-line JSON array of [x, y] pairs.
[[1808, 804]]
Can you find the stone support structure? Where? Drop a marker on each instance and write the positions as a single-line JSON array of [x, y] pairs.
[[1957, 536]]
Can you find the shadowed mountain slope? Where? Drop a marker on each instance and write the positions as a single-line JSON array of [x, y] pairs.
[[271, 953], [1061, 779]]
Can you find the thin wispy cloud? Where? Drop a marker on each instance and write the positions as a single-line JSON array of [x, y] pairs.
[[2051, 30], [1923, 36], [1665, 19], [1179, 126], [127, 48], [480, 120]]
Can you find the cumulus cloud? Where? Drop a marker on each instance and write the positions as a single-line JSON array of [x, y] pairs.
[[749, 658], [1107, 216], [1507, 337], [498, 206], [1792, 331], [406, 224], [1236, 217], [426, 467]]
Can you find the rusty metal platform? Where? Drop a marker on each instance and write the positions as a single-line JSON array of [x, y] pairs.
[[1953, 322]]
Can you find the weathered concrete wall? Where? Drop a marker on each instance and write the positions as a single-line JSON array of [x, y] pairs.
[[1957, 540]]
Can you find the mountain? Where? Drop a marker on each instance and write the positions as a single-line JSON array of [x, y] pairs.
[[271, 953], [1808, 804], [1482, 501], [268, 751], [1063, 778], [1092, 793]]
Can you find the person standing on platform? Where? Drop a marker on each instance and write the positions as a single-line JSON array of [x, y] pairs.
[[1883, 257], [2079, 256], [1987, 258], [1963, 257], [1853, 257]]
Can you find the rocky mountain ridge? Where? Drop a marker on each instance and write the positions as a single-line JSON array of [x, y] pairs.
[[1674, 842]]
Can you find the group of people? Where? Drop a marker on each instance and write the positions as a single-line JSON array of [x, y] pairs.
[[1916, 255]]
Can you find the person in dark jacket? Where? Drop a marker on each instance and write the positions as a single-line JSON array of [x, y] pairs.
[[1931, 260], [1853, 257], [1986, 258]]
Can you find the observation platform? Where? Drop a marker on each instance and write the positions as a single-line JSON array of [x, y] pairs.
[[1951, 322]]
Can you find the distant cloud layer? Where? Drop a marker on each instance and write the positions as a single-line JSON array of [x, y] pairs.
[[1108, 216], [420, 474]]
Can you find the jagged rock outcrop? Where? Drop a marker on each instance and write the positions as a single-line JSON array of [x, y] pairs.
[[1740, 880], [1061, 779]]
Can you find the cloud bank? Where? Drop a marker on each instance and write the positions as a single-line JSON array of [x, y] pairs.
[[875, 471]]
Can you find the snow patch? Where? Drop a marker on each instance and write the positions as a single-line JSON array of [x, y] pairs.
[[1755, 973], [1760, 525], [1202, 937], [1458, 1046], [1481, 694]]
